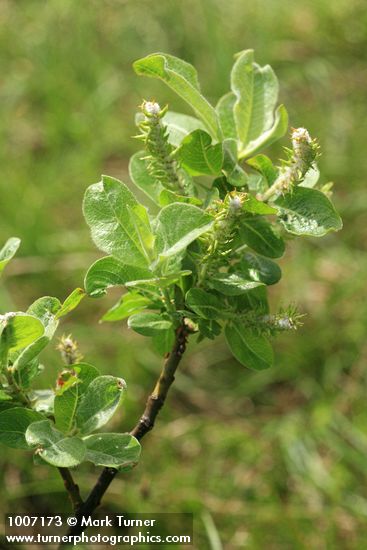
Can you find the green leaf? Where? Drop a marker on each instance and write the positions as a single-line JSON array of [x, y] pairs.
[[109, 271], [140, 219], [113, 450], [30, 352], [107, 206], [99, 403], [139, 174], [274, 133], [129, 304], [168, 197], [231, 284], [257, 183], [255, 299], [25, 363], [65, 406], [71, 302], [256, 91], [307, 211], [53, 447], [225, 114], [255, 206], [204, 304], [235, 175], [19, 330], [6, 405], [66, 379], [311, 177], [149, 324], [264, 165], [8, 251], [252, 350], [160, 282], [259, 234], [209, 329], [182, 78], [177, 225], [46, 309], [198, 156], [67, 400], [85, 373], [179, 126], [260, 269], [163, 341], [13, 426]]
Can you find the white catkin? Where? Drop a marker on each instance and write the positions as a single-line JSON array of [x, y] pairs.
[[304, 153], [285, 323], [151, 107], [235, 204]]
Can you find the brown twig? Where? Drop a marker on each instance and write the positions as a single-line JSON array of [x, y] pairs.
[[72, 489], [156, 400], [153, 405]]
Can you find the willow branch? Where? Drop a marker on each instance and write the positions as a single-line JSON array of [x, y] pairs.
[[146, 422], [156, 400], [72, 489]]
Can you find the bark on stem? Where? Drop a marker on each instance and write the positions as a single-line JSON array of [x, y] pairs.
[[72, 489], [153, 405]]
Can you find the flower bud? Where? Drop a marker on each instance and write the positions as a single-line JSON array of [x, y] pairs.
[[151, 108], [235, 204], [304, 149], [69, 350]]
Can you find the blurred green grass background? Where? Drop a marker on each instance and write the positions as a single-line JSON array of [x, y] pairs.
[[277, 458]]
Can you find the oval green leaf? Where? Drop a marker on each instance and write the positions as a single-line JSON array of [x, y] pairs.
[[182, 78], [139, 174], [99, 403], [129, 304], [256, 91], [179, 126], [259, 234], [67, 400], [307, 211], [251, 350], [13, 426], [71, 302], [225, 114], [53, 447], [149, 324], [259, 268], [232, 284], [19, 330], [108, 272], [177, 225], [112, 450], [198, 156], [204, 304], [106, 208]]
